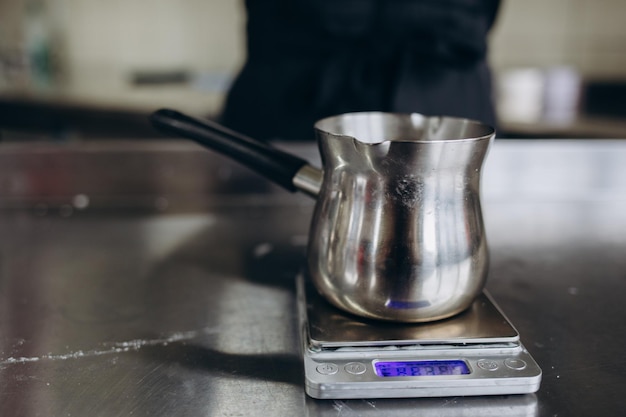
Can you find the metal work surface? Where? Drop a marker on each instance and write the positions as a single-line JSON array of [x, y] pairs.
[[154, 279]]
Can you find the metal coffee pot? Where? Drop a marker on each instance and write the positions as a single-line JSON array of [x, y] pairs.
[[397, 232]]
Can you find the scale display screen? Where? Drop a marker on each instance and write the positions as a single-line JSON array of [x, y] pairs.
[[421, 368]]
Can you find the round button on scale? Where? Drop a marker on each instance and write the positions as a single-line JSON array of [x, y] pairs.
[[327, 368], [355, 368], [514, 363], [487, 364]]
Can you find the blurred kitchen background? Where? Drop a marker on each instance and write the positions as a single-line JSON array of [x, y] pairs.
[[92, 68]]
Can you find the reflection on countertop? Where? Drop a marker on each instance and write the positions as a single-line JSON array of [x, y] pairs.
[[154, 278]]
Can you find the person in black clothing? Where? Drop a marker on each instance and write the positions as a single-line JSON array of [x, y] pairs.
[[309, 59]]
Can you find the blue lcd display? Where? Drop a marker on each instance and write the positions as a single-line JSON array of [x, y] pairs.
[[421, 368]]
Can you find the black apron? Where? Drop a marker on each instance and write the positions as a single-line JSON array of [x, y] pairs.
[[309, 59]]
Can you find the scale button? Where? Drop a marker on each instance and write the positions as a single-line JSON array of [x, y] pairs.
[[487, 364], [355, 368], [515, 363], [327, 368]]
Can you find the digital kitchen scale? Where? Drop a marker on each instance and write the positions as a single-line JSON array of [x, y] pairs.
[[477, 352]]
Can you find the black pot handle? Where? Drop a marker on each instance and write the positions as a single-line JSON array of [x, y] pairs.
[[274, 164]]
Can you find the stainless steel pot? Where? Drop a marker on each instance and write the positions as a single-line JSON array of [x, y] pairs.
[[397, 233]]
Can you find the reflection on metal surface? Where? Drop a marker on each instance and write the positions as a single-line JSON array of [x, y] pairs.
[[100, 278], [161, 176], [330, 327], [501, 406], [147, 315]]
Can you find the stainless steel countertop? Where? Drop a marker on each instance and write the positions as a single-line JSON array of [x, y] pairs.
[[155, 278]]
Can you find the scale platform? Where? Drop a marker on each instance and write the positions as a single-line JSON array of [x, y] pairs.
[[477, 352]]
